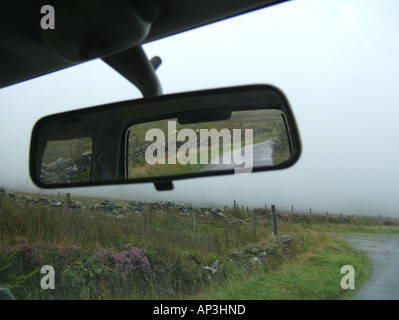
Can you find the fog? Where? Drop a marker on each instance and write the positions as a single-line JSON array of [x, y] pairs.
[[337, 63]]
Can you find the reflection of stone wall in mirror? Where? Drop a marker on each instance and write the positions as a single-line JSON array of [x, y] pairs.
[[67, 161], [269, 142]]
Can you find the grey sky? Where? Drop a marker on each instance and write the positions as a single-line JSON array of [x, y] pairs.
[[335, 60]]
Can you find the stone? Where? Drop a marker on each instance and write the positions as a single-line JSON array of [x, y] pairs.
[[236, 255], [74, 204], [10, 194], [282, 240], [254, 260], [67, 170]]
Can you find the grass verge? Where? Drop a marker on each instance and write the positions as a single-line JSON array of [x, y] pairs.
[[312, 271]]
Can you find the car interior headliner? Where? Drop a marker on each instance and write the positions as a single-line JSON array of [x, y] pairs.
[[25, 55]]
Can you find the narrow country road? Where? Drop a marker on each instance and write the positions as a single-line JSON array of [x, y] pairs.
[[383, 251], [262, 155]]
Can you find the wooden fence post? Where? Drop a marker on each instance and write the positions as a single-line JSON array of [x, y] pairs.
[[195, 227], [254, 224], [274, 218], [149, 216], [226, 236], [67, 200]]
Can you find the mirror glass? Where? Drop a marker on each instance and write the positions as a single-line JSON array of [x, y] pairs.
[[248, 139]]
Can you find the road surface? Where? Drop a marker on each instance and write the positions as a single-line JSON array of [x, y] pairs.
[[383, 251], [262, 155]]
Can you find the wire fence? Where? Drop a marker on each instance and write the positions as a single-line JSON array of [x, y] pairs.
[[202, 232], [333, 214], [218, 230], [66, 149]]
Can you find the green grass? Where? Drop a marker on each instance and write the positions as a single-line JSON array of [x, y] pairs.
[[342, 224], [31, 236], [41, 235], [313, 274], [162, 170], [357, 229]]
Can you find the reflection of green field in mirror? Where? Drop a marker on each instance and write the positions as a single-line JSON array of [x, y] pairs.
[[266, 125]]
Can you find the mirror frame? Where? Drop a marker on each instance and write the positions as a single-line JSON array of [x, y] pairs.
[[127, 113]]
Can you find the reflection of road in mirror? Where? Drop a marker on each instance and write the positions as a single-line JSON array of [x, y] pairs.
[[262, 155], [249, 138]]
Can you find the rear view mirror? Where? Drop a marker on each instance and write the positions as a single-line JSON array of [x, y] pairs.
[[237, 130]]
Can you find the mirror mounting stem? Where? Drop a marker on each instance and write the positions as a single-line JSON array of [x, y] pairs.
[[134, 65], [163, 185]]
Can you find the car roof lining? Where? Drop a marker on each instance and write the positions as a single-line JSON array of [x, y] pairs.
[[24, 54]]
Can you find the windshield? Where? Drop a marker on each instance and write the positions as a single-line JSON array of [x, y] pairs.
[[336, 61]]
